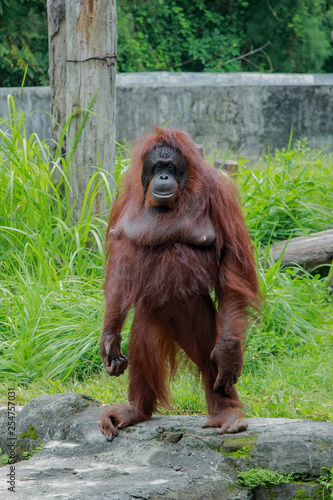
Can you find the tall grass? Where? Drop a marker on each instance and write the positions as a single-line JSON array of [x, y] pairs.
[[296, 317], [51, 267], [291, 195]]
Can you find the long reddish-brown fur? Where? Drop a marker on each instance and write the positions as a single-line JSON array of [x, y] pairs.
[[170, 286]]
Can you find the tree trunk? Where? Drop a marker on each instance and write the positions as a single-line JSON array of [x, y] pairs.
[[83, 36], [307, 251], [57, 71]]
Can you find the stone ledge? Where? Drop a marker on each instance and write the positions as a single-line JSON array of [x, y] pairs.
[[183, 79], [169, 457]]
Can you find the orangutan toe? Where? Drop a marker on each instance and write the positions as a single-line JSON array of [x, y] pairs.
[[228, 421], [233, 425]]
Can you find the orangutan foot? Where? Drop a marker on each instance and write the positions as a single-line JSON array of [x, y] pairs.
[[117, 417], [228, 421]]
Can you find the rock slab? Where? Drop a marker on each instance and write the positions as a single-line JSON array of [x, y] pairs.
[[169, 457]]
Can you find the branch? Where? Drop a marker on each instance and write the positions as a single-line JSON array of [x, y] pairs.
[[269, 61], [182, 63], [244, 56]]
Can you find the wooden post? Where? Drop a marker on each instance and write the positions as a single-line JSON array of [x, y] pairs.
[[229, 166], [57, 70], [83, 36], [200, 147]]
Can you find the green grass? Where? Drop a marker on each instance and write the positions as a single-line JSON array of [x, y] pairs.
[[51, 267], [300, 387], [296, 314], [51, 277], [290, 195]]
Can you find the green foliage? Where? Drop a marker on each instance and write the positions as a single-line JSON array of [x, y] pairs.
[[187, 394], [299, 32], [183, 35], [197, 35], [51, 267], [293, 194], [327, 482], [23, 41], [296, 314], [301, 495], [4, 458], [244, 451], [253, 478], [31, 433], [292, 385], [237, 447], [175, 35], [26, 454]]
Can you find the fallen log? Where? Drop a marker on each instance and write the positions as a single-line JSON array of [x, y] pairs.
[[307, 251]]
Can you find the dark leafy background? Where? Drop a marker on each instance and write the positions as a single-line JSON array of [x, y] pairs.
[[183, 35]]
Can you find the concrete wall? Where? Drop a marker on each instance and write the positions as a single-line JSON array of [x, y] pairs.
[[36, 104], [246, 112]]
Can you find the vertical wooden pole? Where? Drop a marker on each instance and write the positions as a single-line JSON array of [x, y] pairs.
[[87, 46], [57, 69]]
